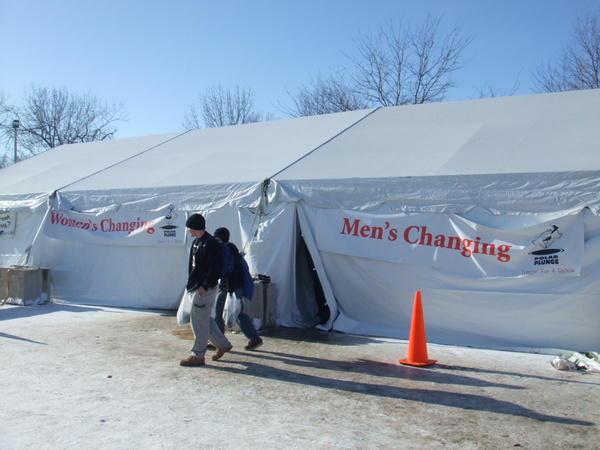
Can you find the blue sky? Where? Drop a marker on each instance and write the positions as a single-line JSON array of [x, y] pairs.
[[158, 56]]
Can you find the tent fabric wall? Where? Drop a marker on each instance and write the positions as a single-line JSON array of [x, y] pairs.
[[270, 241], [502, 161], [218, 172], [114, 275], [14, 251], [523, 193], [376, 298], [182, 198]]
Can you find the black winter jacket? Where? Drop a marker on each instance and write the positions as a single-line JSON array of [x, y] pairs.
[[205, 263]]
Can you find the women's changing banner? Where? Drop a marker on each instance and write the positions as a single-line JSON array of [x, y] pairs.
[[117, 228], [451, 243]]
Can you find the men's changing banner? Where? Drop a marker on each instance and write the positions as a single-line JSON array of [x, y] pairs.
[[448, 242], [119, 228]]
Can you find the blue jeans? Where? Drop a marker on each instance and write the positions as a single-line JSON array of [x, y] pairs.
[[243, 320]]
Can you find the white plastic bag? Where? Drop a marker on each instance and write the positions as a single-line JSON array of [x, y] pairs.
[[232, 309], [588, 361], [185, 308]]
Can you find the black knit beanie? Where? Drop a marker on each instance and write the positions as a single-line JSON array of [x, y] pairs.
[[196, 222], [222, 233]]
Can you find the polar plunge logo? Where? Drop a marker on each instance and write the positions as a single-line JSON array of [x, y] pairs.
[[169, 217], [546, 254], [169, 230]]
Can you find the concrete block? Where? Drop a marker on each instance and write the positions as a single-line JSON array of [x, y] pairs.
[[263, 307], [24, 285]]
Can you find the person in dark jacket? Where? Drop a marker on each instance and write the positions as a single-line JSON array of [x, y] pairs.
[[234, 285], [204, 269]]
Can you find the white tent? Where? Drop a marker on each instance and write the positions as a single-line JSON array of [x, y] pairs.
[[353, 196]]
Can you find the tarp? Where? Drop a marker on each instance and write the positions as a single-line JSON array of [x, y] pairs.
[[496, 172]]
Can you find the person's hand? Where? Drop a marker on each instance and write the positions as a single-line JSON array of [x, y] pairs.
[[201, 291]]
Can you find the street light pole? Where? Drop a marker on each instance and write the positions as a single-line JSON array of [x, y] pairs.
[[16, 124]]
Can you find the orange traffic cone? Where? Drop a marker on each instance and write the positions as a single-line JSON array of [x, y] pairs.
[[417, 342]]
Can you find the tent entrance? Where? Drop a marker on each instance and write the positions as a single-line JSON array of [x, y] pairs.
[[311, 303]]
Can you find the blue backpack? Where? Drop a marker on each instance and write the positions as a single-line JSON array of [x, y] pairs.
[[228, 259], [248, 281]]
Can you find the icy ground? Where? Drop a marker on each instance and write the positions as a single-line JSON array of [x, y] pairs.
[[100, 378]]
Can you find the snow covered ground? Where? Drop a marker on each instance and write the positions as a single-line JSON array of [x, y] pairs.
[[100, 378]]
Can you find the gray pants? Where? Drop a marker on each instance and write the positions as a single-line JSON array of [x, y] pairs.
[[203, 325]]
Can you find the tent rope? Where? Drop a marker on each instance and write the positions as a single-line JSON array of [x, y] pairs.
[[262, 203]]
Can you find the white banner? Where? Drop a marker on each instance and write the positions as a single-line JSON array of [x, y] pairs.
[[120, 228], [7, 222], [451, 243]]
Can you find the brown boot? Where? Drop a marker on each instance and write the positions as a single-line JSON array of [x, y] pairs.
[[192, 361], [220, 353]]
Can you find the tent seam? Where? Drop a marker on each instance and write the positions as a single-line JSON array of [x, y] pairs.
[[121, 161], [324, 143]]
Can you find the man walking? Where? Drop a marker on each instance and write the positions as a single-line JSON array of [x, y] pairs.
[[234, 285], [205, 267]]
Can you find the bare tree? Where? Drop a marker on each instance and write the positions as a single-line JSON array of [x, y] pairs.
[[579, 65], [53, 117], [6, 137], [397, 65], [221, 107], [490, 91], [408, 65], [191, 119], [3, 106], [324, 95]]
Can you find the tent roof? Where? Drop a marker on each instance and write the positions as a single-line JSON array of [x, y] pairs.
[[535, 134], [61, 166], [244, 153], [525, 134]]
